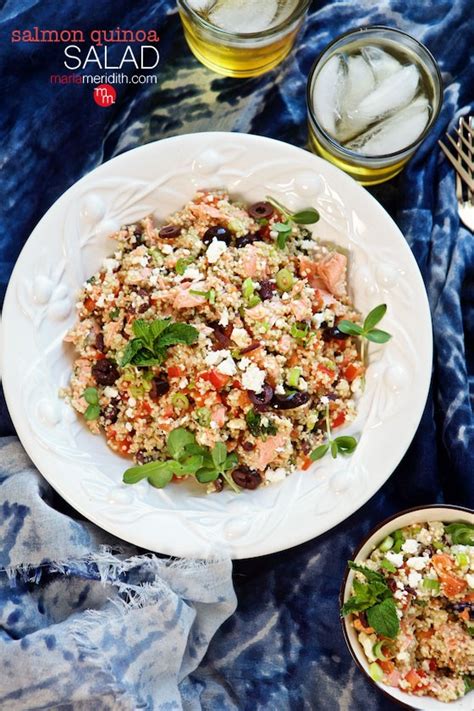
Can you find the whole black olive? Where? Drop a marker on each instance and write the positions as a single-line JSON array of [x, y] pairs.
[[289, 400], [262, 398], [267, 289], [159, 386], [170, 231], [333, 333], [261, 210], [105, 372], [220, 233], [247, 478]]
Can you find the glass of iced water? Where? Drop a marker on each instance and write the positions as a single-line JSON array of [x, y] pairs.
[[241, 38], [373, 95]]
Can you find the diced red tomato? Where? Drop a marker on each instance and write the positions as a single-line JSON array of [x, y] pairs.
[[425, 634], [99, 355], [413, 678], [307, 462], [432, 664], [218, 380], [144, 409], [328, 371], [338, 420], [89, 304], [174, 371], [387, 665], [352, 372]]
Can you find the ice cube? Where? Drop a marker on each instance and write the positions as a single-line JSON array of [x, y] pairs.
[[243, 15], [392, 94], [394, 133], [360, 82], [382, 63], [327, 92], [201, 6]]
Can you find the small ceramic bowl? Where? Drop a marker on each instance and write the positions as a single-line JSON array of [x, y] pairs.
[[411, 516]]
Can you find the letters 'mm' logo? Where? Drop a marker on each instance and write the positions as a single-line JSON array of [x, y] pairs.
[[104, 95]]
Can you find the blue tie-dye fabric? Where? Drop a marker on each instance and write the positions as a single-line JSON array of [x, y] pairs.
[[282, 648]]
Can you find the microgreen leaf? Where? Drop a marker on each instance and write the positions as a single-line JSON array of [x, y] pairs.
[[219, 455], [143, 471], [334, 449], [374, 316], [378, 336], [204, 476], [91, 396], [306, 217], [346, 444], [92, 412], [319, 452], [231, 462], [178, 441], [161, 477], [352, 329]]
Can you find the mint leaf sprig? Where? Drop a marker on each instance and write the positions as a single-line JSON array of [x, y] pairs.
[[376, 599], [284, 229], [186, 458], [152, 340], [368, 330], [339, 445]]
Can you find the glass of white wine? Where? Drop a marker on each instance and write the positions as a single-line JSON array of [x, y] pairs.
[[241, 38]]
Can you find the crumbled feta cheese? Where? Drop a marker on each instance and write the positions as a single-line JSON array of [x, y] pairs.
[[192, 273], [410, 546], [403, 656], [129, 412], [215, 357], [356, 385], [215, 250], [240, 337], [318, 319], [253, 378], [166, 249], [395, 558], [224, 319], [244, 363], [227, 366], [128, 426], [132, 402], [399, 595], [417, 563], [183, 383], [285, 296], [101, 301], [414, 578], [110, 392], [273, 234], [214, 425], [470, 580], [302, 384], [324, 400], [110, 264], [274, 475], [280, 390]]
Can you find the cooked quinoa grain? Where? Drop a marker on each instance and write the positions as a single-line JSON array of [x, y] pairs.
[[266, 358]]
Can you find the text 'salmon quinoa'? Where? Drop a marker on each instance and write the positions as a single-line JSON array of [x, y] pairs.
[[209, 347]]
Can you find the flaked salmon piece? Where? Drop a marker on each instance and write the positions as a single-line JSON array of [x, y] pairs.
[[257, 313], [329, 274], [251, 265], [184, 300], [332, 270], [265, 452], [301, 309], [203, 211], [218, 414]]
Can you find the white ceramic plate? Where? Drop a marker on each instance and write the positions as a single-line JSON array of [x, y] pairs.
[[444, 513], [67, 247]]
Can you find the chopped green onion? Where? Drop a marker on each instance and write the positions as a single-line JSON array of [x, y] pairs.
[[376, 672], [311, 421], [300, 331], [284, 280], [438, 545], [430, 584], [248, 292], [386, 544], [180, 401], [293, 377], [203, 416], [378, 650], [182, 264], [462, 560], [399, 540]]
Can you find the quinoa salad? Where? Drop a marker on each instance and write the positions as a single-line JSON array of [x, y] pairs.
[[209, 347], [412, 605]]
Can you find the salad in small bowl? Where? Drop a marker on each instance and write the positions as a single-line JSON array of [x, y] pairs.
[[407, 607]]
